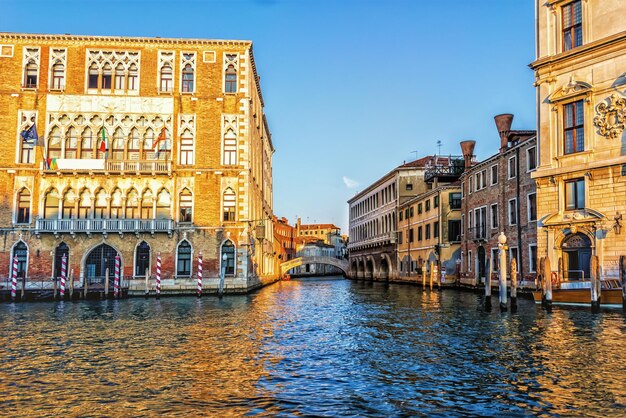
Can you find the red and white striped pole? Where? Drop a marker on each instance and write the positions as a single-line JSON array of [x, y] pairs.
[[200, 274], [14, 279], [63, 275], [158, 276], [116, 282]]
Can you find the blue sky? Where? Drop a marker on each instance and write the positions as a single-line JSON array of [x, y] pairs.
[[351, 88]]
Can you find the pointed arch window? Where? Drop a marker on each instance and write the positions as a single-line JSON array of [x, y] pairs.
[[163, 204], [167, 84], [188, 78], [229, 202], [93, 76], [54, 143], [51, 205], [86, 144], [142, 259], [58, 77], [23, 206], [20, 250], [117, 151], [132, 205], [147, 150], [134, 145], [106, 77], [183, 259], [61, 250], [228, 250], [133, 78], [71, 143], [31, 72], [116, 204], [84, 205], [100, 205], [230, 147], [146, 205], [186, 148], [119, 77], [69, 204], [186, 206], [230, 82]]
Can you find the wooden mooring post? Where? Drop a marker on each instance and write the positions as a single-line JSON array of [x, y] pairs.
[[106, 283], [622, 275], [147, 282], [547, 283], [513, 285], [595, 284]]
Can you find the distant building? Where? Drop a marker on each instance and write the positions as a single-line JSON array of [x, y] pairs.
[[372, 244], [316, 248], [285, 238], [499, 195], [581, 110]]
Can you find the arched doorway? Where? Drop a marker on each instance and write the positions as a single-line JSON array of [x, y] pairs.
[[142, 259], [361, 269], [20, 250], [228, 258], [61, 250], [577, 257], [369, 269], [96, 263], [383, 271], [353, 269]]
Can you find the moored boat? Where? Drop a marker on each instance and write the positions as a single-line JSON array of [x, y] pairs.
[[579, 293]]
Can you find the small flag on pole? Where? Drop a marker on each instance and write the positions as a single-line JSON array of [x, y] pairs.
[[29, 136], [103, 142], [162, 137]]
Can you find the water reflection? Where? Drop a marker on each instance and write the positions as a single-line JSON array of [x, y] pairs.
[[328, 347]]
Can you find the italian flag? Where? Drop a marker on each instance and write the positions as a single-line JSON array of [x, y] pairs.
[[103, 143]]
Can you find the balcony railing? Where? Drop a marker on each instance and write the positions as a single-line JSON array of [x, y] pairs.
[[380, 238], [110, 166], [478, 233], [102, 225], [444, 168]]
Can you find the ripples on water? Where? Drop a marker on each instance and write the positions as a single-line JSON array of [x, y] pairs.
[[325, 348]]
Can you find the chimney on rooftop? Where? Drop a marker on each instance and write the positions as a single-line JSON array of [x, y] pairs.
[[467, 147], [503, 123]]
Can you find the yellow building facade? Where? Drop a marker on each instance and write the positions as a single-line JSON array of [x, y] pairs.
[[146, 147], [581, 109]]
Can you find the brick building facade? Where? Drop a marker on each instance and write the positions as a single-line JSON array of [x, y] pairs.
[[499, 195], [146, 146]]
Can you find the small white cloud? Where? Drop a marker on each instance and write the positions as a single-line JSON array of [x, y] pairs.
[[350, 184]]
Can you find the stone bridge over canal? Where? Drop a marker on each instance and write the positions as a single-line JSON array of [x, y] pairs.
[[296, 262]]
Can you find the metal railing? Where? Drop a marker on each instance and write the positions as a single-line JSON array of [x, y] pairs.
[[387, 236], [103, 225], [135, 166]]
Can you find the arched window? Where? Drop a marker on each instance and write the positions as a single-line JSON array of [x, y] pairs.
[[119, 77], [86, 144], [577, 257], [32, 69], [69, 204], [93, 76], [186, 148], [229, 205], [134, 146], [142, 259], [146, 205], [117, 150], [100, 205], [116, 204], [71, 144], [164, 202], [230, 82], [23, 207], [133, 76], [230, 148], [147, 147], [166, 79], [106, 77], [132, 205], [84, 205], [183, 259], [20, 250], [54, 143], [58, 77], [51, 205], [188, 77], [185, 202], [228, 262], [61, 250]]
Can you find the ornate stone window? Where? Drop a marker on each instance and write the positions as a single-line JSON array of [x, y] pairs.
[[575, 194], [229, 145], [183, 259], [187, 138], [163, 204], [574, 127], [31, 63], [25, 150], [229, 204], [132, 205], [101, 204], [22, 215], [84, 205], [58, 63], [51, 205], [166, 71], [188, 72], [572, 25], [70, 145], [69, 204], [117, 70], [231, 63], [185, 203], [116, 204], [146, 205]]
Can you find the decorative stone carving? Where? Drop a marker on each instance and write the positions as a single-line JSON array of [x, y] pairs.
[[611, 117]]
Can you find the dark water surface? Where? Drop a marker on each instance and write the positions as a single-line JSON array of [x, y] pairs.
[[324, 348]]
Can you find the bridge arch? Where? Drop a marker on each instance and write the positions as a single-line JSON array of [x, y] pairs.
[[299, 261]]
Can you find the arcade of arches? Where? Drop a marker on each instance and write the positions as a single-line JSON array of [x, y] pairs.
[[373, 267]]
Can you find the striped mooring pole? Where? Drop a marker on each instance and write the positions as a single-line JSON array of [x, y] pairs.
[[158, 276], [116, 281], [63, 275], [200, 274], [14, 279]]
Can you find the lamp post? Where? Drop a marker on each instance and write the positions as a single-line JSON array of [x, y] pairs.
[[220, 289]]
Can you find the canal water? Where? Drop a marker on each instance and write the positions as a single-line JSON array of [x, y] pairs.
[[310, 347]]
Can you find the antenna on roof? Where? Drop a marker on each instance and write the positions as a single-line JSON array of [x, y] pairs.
[[414, 152], [439, 146]]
